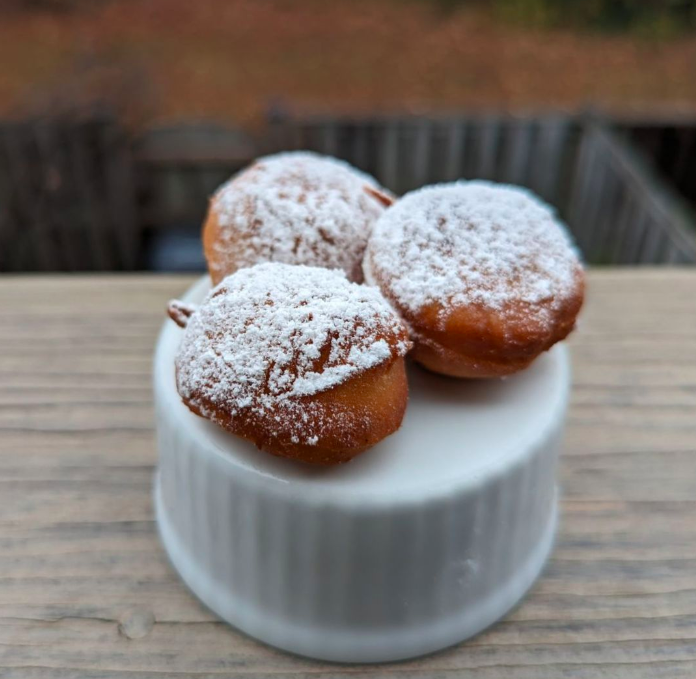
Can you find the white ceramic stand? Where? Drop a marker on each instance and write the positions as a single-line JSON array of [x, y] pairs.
[[415, 545]]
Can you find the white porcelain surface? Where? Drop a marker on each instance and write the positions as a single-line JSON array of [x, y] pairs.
[[417, 544]]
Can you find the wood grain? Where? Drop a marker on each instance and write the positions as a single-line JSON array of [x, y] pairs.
[[85, 590]]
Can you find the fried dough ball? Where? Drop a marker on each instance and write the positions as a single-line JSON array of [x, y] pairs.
[[484, 275], [296, 359], [296, 208]]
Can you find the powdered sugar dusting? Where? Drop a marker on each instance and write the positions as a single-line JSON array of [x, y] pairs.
[[473, 243], [298, 208], [272, 333]]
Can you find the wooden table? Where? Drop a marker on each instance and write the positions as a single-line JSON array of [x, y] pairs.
[[86, 591]]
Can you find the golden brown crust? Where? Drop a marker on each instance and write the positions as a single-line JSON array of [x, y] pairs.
[[477, 343], [296, 208], [484, 275], [296, 359], [218, 266], [346, 420]]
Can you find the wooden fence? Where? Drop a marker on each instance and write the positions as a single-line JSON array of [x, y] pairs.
[[67, 193], [618, 210], [83, 195], [405, 153], [671, 145]]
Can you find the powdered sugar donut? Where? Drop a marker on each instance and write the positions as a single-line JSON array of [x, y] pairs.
[[297, 208], [296, 359], [484, 275]]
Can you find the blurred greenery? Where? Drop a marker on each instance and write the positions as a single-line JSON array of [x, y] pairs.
[[650, 18]]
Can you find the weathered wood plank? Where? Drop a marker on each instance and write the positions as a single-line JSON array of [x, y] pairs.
[[85, 590], [579, 187], [94, 212], [119, 167], [58, 229], [518, 152], [594, 201], [546, 171], [32, 244], [388, 158], [623, 224], [488, 137], [421, 153], [456, 148]]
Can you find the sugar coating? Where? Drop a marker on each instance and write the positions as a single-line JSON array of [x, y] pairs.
[[473, 243], [270, 334], [299, 208]]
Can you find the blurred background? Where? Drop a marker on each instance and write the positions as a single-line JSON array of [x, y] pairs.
[[119, 118]]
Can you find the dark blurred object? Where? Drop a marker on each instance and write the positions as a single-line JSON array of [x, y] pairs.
[[652, 18], [658, 18], [179, 250], [67, 196], [671, 144], [45, 5]]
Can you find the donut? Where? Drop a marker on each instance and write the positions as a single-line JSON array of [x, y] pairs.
[[484, 275], [298, 360], [297, 208]]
